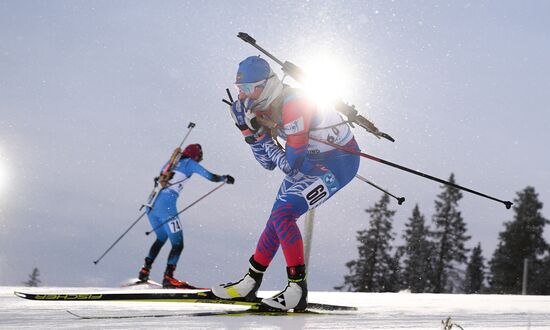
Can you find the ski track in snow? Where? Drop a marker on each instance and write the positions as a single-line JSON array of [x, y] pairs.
[[376, 311]]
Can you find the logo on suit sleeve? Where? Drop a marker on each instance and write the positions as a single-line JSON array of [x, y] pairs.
[[295, 126]]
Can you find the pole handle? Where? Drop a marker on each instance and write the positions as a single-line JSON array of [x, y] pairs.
[[229, 95]]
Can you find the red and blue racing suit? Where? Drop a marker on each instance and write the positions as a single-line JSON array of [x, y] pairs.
[[314, 171]]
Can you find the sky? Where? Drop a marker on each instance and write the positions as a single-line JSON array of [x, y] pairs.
[[95, 95]]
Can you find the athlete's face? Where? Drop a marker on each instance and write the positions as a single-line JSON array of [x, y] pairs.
[[253, 96], [251, 90]]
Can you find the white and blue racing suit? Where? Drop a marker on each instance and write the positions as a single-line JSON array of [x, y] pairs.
[[163, 216]]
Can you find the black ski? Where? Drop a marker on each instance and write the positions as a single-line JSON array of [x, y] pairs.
[[189, 296], [251, 311]]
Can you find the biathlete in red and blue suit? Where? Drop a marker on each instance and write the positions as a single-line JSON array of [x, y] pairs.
[[315, 171]]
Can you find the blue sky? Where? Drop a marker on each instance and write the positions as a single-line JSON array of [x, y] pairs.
[[94, 96]]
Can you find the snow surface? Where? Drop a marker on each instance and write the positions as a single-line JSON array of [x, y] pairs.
[[376, 311]]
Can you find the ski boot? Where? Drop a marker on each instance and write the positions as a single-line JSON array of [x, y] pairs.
[[294, 296], [145, 270], [169, 282], [246, 288]]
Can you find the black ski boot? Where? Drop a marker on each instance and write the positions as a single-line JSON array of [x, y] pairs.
[[145, 270], [294, 296]]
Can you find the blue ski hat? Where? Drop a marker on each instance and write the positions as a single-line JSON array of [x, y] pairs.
[[252, 69]]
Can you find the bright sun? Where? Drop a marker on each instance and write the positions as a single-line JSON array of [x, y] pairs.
[[3, 176], [326, 79]]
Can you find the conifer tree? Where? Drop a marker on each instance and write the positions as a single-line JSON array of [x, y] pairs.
[[33, 278], [475, 272], [521, 239], [394, 282], [541, 284], [449, 236], [417, 253], [375, 265]]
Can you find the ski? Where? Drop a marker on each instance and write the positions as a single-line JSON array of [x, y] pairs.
[[145, 284], [246, 312], [189, 296], [136, 283], [192, 314]]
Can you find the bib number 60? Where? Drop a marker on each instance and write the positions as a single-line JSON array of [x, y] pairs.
[[315, 193]]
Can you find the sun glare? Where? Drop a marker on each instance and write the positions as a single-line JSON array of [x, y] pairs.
[[326, 80], [3, 175]]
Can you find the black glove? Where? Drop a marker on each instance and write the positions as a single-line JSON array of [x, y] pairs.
[[229, 179]]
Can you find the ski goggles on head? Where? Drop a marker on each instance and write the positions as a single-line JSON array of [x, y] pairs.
[[248, 88]]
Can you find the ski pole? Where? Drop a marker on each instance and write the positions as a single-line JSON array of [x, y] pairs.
[[400, 200], [119, 238], [141, 216], [508, 204], [185, 209], [176, 155], [230, 102], [152, 198], [190, 127], [299, 75]]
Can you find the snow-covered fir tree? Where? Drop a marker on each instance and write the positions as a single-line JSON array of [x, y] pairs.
[[521, 239], [417, 253], [375, 269], [475, 272], [449, 236]]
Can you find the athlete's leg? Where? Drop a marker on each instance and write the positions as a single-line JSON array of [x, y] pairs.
[[306, 193], [175, 233], [281, 227], [297, 194], [155, 248]]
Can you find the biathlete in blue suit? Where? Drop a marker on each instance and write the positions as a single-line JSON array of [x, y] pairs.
[[163, 216]]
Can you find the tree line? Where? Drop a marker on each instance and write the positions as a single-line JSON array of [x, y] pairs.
[[435, 258]]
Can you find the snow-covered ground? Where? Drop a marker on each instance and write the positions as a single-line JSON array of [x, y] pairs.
[[376, 311]]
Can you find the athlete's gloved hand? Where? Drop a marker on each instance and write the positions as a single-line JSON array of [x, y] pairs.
[[238, 114], [229, 179], [245, 120]]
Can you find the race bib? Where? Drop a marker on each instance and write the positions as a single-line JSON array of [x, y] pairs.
[[316, 193], [174, 226]]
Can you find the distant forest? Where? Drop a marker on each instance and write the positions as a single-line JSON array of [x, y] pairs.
[[435, 257]]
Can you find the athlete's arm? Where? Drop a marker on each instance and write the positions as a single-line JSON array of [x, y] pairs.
[[277, 156], [194, 167], [260, 153]]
